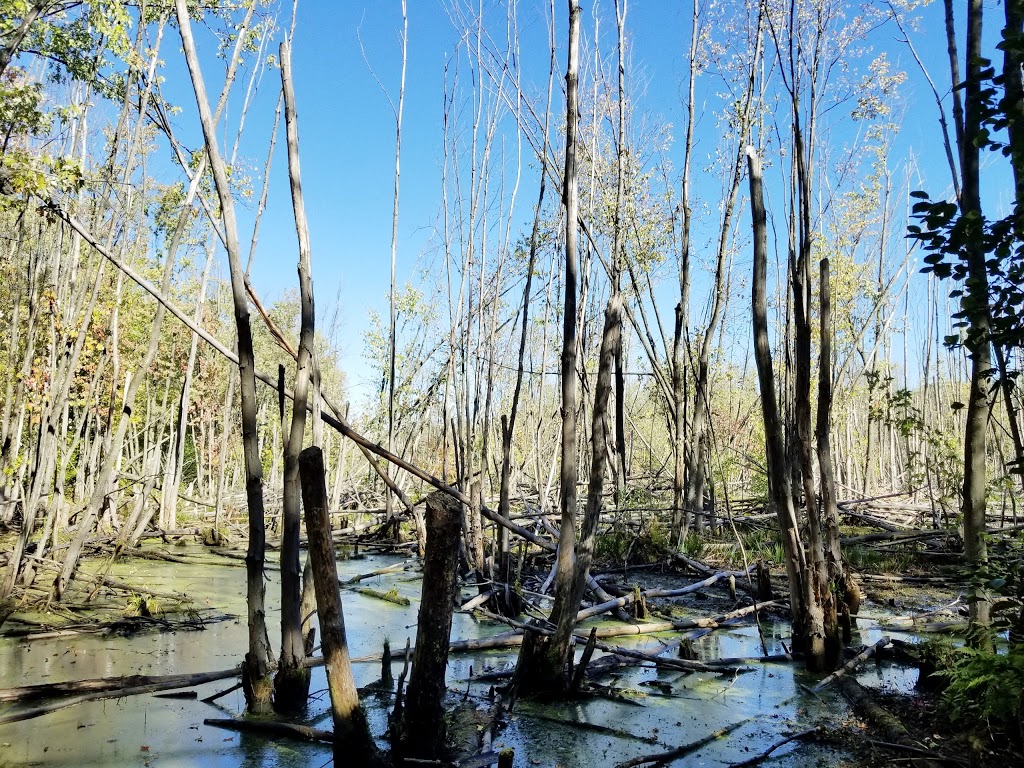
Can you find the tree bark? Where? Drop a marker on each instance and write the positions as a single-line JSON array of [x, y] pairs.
[[257, 664], [291, 684], [557, 651], [423, 730], [353, 743]]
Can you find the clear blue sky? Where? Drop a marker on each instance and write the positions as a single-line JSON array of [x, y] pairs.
[[347, 133]]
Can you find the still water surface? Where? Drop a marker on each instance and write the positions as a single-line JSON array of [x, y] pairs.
[[149, 731]]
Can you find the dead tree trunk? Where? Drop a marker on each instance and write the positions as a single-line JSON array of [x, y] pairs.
[[558, 648], [846, 590], [422, 731], [775, 449], [291, 684], [353, 743], [256, 671]]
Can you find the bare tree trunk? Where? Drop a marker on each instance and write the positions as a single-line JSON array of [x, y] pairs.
[[392, 341], [291, 684], [172, 482], [618, 257], [680, 514], [558, 649], [979, 406], [353, 743], [256, 670], [778, 472]]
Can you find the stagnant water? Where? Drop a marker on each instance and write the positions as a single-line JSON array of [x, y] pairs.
[[665, 709]]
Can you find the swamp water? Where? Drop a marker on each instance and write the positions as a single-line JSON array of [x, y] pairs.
[[664, 709]]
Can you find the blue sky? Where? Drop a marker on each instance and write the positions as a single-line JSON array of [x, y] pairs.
[[347, 133]]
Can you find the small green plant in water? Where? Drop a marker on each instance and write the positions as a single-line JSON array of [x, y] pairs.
[[143, 605]]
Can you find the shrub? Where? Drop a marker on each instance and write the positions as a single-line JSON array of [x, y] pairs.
[[986, 688]]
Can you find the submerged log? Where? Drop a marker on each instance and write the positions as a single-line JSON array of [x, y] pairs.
[[114, 689], [272, 728], [890, 726], [853, 663], [684, 750]]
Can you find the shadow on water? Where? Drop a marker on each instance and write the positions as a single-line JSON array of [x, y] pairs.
[[659, 709]]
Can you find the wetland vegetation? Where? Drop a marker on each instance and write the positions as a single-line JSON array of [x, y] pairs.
[[693, 426]]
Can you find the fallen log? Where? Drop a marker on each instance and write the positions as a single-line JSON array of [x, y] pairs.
[[388, 597], [852, 664], [684, 750], [476, 602], [742, 577], [271, 728], [110, 689], [396, 568], [757, 759], [621, 602], [685, 665], [27, 693], [900, 536]]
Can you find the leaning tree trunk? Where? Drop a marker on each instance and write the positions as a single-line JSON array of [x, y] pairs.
[[256, 670]]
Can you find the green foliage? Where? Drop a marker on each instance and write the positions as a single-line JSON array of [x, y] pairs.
[[267, 458], [190, 461], [897, 409], [143, 605], [986, 688], [636, 497], [866, 558], [693, 545], [623, 544], [950, 235], [759, 544]]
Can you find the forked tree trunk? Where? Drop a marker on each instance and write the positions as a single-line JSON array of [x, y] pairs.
[[775, 448], [291, 684]]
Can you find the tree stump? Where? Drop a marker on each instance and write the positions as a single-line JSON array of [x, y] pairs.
[[422, 731]]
